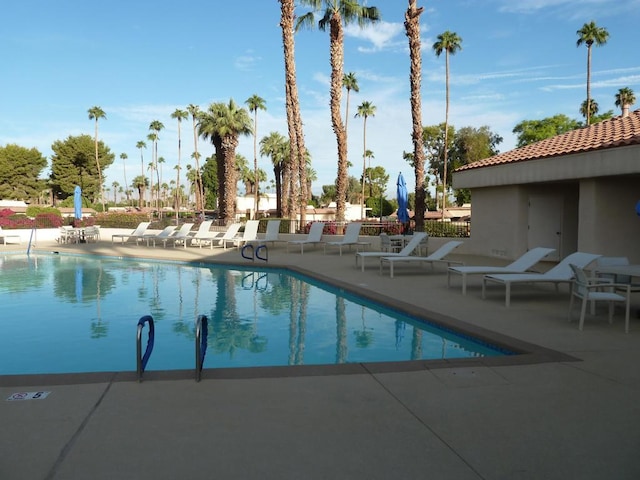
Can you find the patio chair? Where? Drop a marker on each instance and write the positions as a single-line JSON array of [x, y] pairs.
[[231, 232], [351, 237], [250, 233], [598, 290], [313, 238], [436, 257], [137, 234], [203, 236], [91, 234], [272, 235], [9, 236], [561, 273], [163, 236], [181, 236], [520, 265], [409, 249]]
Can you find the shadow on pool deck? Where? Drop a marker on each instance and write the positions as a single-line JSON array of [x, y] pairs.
[[570, 408]]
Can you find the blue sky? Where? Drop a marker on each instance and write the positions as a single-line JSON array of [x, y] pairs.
[[140, 60]]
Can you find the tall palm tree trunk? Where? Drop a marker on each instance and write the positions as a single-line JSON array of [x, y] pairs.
[[446, 137], [412, 27]]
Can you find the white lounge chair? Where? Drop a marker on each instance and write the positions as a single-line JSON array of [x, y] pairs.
[[409, 249], [163, 236], [520, 265], [137, 234], [9, 236], [182, 235], [272, 235], [250, 233], [313, 238], [436, 257], [598, 290], [351, 237], [203, 236], [232, 232], [561, 273]]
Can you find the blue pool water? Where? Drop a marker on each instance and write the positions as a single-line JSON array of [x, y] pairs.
[[69, 314]]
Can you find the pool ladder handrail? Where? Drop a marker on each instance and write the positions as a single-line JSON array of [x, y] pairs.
[[202, 333], [255, 252], [142, 360]]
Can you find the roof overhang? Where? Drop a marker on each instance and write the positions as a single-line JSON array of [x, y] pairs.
[[606, 162]]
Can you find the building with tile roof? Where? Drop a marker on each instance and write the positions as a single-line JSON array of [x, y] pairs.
[[573, 192]]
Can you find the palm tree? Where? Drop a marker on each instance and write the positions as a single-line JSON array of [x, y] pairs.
[[276, 146], [223, 123], [179, 115], [140, 145], [255, 103], [365, 110], [589, 109], [115, 186], [194, 111], [124, 156], [297, 148], [412, 27], [349, 82], [624, 99], [591, 34], [96, 113], [337, 12], [448, 42], [152, 137], [140, 183], [155, 126]]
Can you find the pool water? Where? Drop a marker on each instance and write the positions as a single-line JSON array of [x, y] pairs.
[[70, 314]]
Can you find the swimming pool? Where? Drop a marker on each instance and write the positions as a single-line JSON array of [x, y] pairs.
[[77, 313]]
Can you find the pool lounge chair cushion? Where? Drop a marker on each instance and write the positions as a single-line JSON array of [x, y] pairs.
[[436, 257], [561, 273], [520, 265]]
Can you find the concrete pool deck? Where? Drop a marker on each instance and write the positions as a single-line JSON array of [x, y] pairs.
[[569, 409]]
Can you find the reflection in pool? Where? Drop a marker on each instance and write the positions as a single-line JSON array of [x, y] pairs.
[[67, 314]]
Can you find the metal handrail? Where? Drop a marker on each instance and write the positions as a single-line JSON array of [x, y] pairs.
[[202, 332], [141, 360]]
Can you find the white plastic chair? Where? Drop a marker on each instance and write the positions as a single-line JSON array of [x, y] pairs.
[[597, 290]]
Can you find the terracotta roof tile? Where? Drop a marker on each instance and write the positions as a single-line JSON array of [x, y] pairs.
[[615, 132]]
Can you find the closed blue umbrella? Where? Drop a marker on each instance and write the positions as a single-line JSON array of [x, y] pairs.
[[77, 202], [403, 200]]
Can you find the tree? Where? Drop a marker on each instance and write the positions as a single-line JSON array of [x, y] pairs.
[[276, 146], [349, 82], [179, 115], [155, 126], [365, 110], [96, 113], [337, 12], [624, 99], [591, 34], [412, 28], [195, 113], [20, 169], [124, 157], [140, 145], [588, 109], [255, 103], [140, 183], [115, 186], [531, 131], [450, 43], [223, 123], [73, 163], [297, 148]]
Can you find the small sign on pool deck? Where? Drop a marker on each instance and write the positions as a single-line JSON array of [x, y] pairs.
[[27, 396]]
